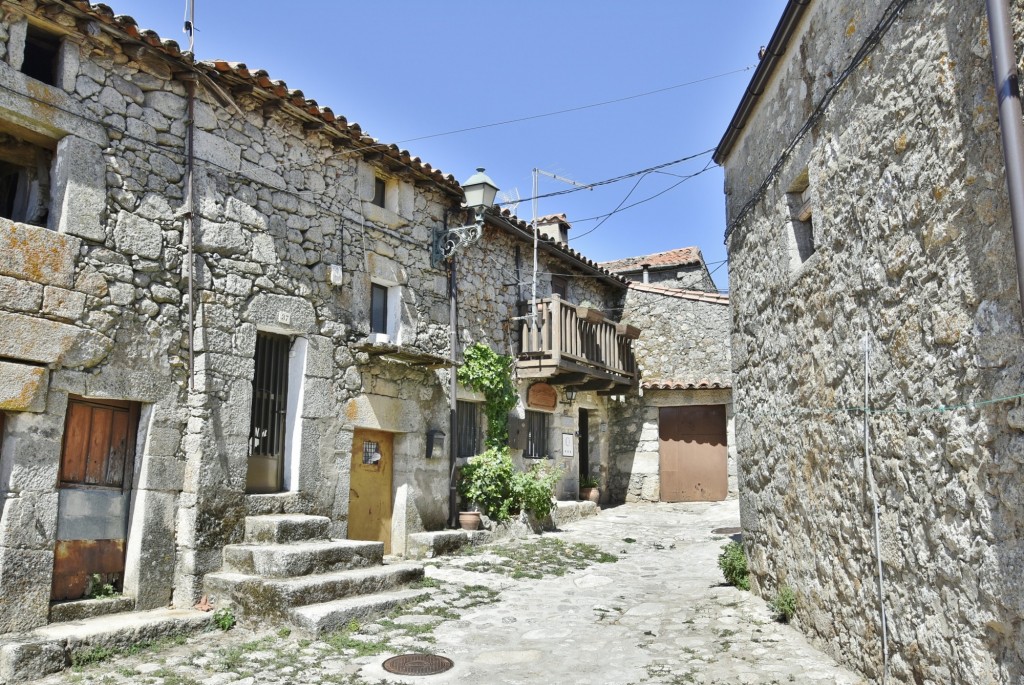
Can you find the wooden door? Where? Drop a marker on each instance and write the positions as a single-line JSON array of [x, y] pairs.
[[96, 467], [693, 453], [369, 503]]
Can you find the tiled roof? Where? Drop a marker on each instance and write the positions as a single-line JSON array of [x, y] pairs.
[[696, 295], [293, 101], [702, 384], [558, 246], [553, 218], [678, 257]]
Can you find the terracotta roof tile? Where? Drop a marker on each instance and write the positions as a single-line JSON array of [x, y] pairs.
[[702, 384], [678, 257], [234, 73]]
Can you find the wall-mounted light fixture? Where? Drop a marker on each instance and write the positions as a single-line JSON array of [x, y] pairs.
[[480, 192], [568, 395], [435, 442]]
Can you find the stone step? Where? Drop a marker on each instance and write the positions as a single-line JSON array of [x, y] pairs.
[[302, 558], [263, 598], [281, 528], [50, 649], [316, 619]]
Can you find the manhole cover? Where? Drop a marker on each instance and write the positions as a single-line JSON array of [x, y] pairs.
[[417, 664], [727, 531]]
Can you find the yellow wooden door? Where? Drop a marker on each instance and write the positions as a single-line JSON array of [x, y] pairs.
[[369, 502]]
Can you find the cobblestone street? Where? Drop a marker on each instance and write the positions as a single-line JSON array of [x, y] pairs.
[[656, 613]]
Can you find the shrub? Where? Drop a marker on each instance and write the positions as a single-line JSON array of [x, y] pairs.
[[535, 487], [487, 482], [733, 562], [784, 604], [488, 372]]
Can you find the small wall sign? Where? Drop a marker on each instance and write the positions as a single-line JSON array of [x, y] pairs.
[[567, 444], [542, 396]]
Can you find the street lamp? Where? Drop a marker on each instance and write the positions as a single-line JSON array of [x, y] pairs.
[[568, 395], [480, 192]]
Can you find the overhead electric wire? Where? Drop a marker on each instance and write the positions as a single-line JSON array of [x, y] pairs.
[[578, 108]]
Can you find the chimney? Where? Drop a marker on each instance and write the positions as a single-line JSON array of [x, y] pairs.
[[554, 226], [647, 273]]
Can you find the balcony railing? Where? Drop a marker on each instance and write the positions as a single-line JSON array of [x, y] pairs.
[[576, 342]]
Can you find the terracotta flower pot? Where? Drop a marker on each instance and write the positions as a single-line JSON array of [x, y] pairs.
[[591, 494], [469, 520]]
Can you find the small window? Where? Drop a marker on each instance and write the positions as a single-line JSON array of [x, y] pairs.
[[24, 181], [378, 308], [800, 238], [41, 52], [380, 191], [468, 423], [559, 286], [536, 434], [371, 453]]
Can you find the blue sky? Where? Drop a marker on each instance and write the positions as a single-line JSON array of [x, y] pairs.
[[406, 69]]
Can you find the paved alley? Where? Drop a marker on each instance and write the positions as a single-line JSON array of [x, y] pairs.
[[657, 614]]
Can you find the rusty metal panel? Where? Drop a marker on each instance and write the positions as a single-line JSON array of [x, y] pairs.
[[693, 462], [76, 561]]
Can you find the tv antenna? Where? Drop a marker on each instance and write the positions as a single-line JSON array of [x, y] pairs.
[[509, 199]]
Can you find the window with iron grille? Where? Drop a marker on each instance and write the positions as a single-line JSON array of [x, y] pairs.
[[378, 308], [536, 434], [269, 395], [468, 423]]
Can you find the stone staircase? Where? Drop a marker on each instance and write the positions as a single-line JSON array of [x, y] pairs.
[[289, 569]]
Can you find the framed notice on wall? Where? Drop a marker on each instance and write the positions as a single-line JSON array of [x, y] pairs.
[[567, 440]]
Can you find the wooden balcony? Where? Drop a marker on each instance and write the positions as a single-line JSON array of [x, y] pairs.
[[577, 346]]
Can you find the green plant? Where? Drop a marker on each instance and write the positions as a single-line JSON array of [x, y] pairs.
[[733, 562], [224, 618], [534, 488], [98, 589], [784, 604], [487, 481], [588, 481], [486, 371]]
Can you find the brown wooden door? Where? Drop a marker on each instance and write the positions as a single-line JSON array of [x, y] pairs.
[[693, 453], [96, 466], [369, 503]]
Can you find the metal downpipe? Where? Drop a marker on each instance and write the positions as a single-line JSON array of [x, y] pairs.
[[1004, 69]]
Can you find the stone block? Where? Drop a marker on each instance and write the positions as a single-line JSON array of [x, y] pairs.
[[22, 387], [50, 342], [161, 473], [79, 180], [23, 661], [138, 236], [646, 462], [22, 296], [168, 104], [281, 312], [318, 399], [320, 357], [63, 304], [25, 575], [28, 520], [149, 571], [220, 238], [214, 149], [32, 253]]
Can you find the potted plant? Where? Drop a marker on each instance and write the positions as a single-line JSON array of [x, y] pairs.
[[589, 489], [485, 486]]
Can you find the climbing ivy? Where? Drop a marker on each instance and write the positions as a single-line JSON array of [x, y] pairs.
[[488, 372]]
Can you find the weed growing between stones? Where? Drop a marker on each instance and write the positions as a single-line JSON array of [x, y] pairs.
[[224, 618], [733, 562], [544, 557], [784, 604]]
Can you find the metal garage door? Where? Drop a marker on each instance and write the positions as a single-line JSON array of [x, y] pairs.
[[694, 454]]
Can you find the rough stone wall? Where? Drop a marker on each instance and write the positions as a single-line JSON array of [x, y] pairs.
[[683, 341], [278, 206], [913, 253]]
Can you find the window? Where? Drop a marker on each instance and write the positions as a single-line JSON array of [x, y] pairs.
[[378, 308], [468, 424], [559, 286], [268, 424], [536, 434], [380, 190], [24, 181], [801, 226], [42, 50]]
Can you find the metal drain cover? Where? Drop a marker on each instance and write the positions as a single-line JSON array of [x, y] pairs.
[[727, 531], [417, 664]]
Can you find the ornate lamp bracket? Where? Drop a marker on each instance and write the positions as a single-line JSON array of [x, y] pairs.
[[450, 241]]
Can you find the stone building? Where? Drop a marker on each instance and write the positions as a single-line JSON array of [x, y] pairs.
[[871, 262], [221, 330], [680, 268]]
